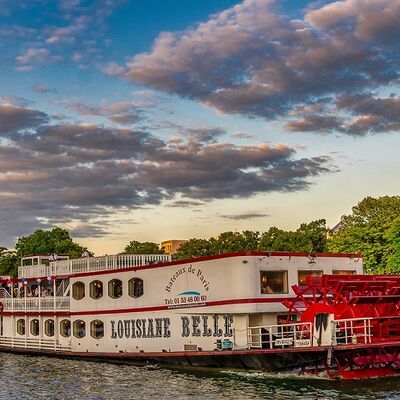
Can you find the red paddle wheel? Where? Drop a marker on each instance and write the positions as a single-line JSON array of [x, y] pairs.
[[366, 311]]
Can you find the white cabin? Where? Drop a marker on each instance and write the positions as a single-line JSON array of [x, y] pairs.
[[148, 303]]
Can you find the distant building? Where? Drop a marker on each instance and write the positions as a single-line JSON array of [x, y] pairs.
[[337, 228], [171, 246]]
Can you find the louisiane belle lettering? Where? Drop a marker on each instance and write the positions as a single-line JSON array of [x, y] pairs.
[[141, 328], [199, 326], [195, 325]]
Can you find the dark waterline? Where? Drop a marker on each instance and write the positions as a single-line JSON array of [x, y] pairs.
[[27, 377]]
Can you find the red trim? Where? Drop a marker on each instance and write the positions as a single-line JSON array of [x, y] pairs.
[[217, 257], [157, 308], [207, 258], [33, 313], [189, 354]]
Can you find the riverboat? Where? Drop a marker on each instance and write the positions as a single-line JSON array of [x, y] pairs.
[[316, 313]]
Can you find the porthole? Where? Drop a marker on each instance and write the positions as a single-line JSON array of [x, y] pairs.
[[78, 290], [34, 327], [96, 289], [135, 287], [79, 328], [21, 327], [97, 329], [49, 327], [115, 289], [65, 328]]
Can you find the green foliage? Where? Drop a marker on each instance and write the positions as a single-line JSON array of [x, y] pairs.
[[194, 248], [135, 247], [309, 238], [45, 242], [9, 262], [393, 263], [369, 230], [227, 242]]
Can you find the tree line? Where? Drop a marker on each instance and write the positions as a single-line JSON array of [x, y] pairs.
[[372, 229]]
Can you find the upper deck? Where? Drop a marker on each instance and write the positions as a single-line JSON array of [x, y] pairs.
[[41, 266]]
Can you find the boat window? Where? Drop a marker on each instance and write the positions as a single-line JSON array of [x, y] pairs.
[[21, 326], [65, 328], [96, 289], [115, 288], [343, 272], [274, 282], [78, 290], [49, 327], [35, 327], [135, 287], [79, 328], [97, 329], [302, 275]]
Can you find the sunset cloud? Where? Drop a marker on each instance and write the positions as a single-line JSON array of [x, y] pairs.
[[254, 61], [83, 171]]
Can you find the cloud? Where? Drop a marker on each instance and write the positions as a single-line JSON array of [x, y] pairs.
[[36, 56], [245, 216], [252, 60], [15, 119], [64, 173], [359, 114], [123, 113], [41, 88]]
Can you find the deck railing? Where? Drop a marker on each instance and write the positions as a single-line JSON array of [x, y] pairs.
[[87, 264], [37, 304], [280, 336], [33, 343], [351, 331]]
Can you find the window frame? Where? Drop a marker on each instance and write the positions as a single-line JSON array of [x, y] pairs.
[[310, 272], [62, 328], [21, 322], [91, 289], [93, 331], [75, 329], [131, 287], [32, 323], [46, 326], [111, 289], [285, 282], [344, 272], [74, 285]]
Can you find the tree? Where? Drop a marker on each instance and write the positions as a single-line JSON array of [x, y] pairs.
[[367, 231], [135, 247], [45, 242], [194, 248], [393, 263], [229, 242], [309, 237], [9, 262]]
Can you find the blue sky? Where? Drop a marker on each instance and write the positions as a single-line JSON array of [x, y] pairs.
[[123, 120]]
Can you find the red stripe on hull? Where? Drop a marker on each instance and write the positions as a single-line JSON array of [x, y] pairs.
[[155, 308]]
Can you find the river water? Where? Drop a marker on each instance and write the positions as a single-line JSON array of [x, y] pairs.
[[26, 377]]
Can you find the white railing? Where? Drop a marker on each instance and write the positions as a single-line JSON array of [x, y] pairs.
[[78, 265], [351, 331], [37, 304], [4, 293], [280, 336], [32, 343]]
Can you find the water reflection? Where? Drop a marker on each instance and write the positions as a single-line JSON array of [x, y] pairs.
[[26, 377]]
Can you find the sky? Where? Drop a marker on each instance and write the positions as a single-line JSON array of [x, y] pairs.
[[151, 120]]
